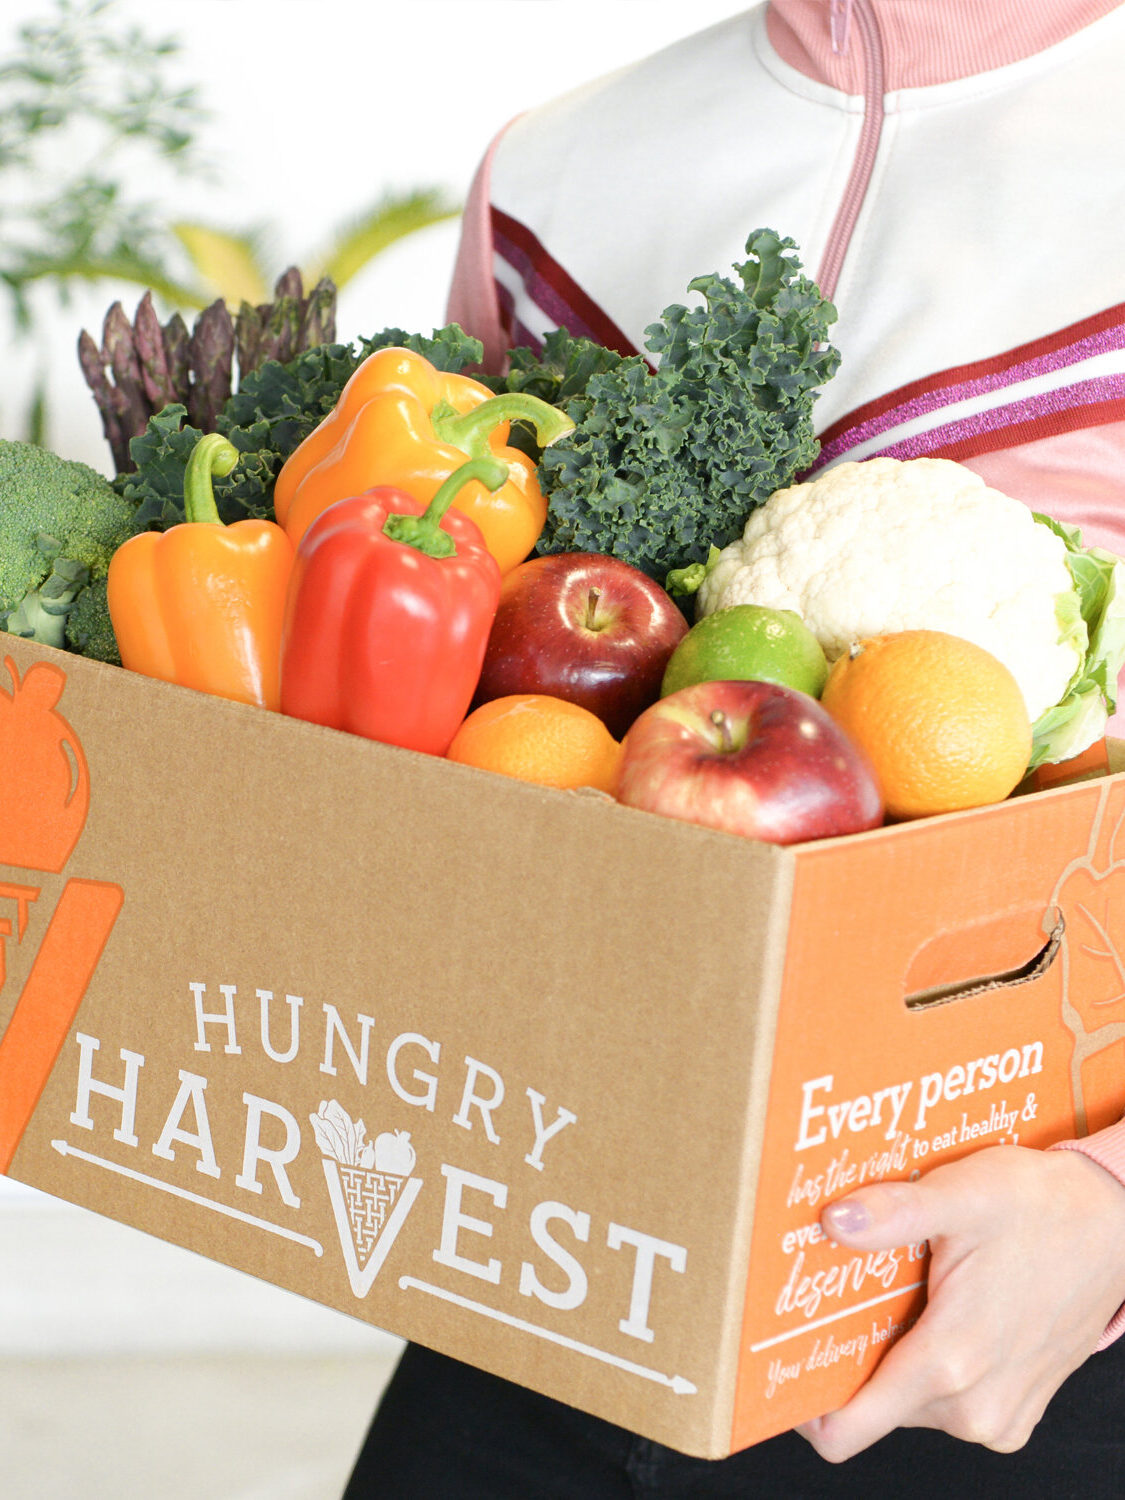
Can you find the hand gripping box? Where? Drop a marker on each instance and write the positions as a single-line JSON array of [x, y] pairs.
[[553, 1085]]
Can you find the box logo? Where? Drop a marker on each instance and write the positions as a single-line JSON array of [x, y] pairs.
[[1090, 894], [44, 800], [44, 779]]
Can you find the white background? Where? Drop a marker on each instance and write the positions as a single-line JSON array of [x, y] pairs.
[[319, 106]]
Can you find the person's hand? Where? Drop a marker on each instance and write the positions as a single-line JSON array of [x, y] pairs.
[[1027, 1268]]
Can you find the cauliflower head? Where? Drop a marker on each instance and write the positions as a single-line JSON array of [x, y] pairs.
[[887, 544]]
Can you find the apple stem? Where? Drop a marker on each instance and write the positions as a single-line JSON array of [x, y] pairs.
[[592, 607], [722, 724]]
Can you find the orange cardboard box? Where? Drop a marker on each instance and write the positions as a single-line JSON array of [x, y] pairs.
[[550, 1084]]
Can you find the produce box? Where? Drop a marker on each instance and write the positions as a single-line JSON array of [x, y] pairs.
[[552, 1085]]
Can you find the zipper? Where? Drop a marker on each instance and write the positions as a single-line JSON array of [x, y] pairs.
[[855, 190]]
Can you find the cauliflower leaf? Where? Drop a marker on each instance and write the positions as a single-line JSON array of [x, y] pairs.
[[1095, 615]]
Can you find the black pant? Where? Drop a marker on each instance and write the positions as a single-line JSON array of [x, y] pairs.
[[447, 1432]]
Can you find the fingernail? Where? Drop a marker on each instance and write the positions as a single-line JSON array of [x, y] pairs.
[[848, 1217]]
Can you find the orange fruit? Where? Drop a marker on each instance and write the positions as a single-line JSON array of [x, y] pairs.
[[942, 721], [535, 737]]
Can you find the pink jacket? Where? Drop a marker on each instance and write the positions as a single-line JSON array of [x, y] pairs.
[[1027, 387], [858, 128]]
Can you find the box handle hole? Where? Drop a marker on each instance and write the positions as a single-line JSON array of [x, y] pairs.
[[1033, 968]]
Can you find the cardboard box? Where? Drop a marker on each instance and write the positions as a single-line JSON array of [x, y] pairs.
[[634, 1057]]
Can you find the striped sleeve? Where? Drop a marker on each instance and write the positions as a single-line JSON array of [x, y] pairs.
[[1107, 1148], [1069, 380]]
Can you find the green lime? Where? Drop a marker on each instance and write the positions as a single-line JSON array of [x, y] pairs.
[[748, 641]]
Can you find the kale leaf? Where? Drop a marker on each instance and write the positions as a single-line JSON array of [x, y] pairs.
[[563, 370], [664, 463], [274, 409]]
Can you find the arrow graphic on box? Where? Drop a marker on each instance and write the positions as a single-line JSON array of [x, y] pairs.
[[679, 1384], [64, 1148]]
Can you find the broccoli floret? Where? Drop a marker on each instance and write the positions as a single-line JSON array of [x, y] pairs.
[[60, 523], [88, 627]]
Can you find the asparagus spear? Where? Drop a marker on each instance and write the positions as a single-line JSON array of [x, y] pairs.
[[142, 366]]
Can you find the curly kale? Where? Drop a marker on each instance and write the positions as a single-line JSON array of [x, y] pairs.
[[274, 409], [557, 375], [562, 371], [664, 463]]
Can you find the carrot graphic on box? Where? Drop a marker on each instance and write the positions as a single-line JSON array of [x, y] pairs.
[[44, 799], [44, 779]]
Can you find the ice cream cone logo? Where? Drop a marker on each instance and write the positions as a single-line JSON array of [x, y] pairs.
[[370, 1187]]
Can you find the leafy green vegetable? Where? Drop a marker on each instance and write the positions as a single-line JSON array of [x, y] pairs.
[[273, 410], [664, 463], [556, 375], [1080, 716], [563, 370]]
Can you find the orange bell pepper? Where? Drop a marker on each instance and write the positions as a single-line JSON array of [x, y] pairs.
[[202, 604], [401, 422]]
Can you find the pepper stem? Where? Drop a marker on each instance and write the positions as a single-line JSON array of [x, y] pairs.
[[471, 430], [424, 532], [213, 454]]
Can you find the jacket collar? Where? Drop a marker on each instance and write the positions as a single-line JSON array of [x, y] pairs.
[[923, 41]]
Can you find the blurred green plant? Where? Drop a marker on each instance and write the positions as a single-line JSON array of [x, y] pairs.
[[238, 266], [85, 106], [88, 104], [82, 105]]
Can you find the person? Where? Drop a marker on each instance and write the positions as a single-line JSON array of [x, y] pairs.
[[951, 173]]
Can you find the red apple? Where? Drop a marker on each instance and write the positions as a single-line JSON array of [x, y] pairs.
[[750, 758], [584, 627]]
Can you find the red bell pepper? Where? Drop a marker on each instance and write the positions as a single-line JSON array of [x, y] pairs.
[[388, 615]]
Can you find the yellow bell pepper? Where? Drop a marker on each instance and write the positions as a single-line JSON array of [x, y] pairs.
[[402, 422]]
